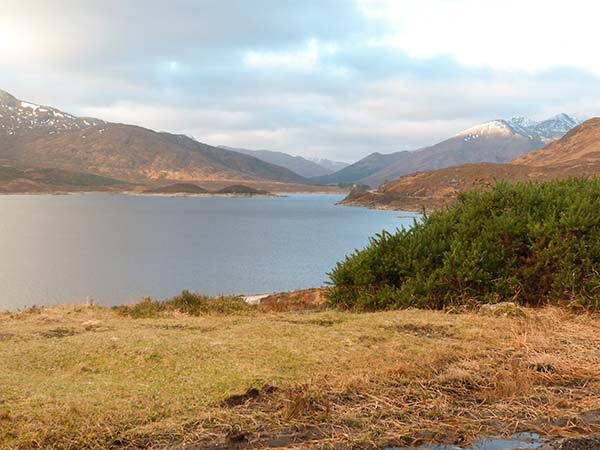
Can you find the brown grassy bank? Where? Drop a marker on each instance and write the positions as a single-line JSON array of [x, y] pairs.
[[90, 377]]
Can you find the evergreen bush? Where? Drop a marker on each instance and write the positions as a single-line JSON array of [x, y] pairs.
[[532, 243]]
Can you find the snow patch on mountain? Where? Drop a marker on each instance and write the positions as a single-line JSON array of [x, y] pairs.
[[18, 116], [545, 131], [492, 128], [556, 126]]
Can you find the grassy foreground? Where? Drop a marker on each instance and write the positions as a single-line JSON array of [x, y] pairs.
[[91, 377]]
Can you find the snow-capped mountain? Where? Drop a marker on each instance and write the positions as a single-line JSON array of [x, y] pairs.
[[544, 132], [17, 116], [556, 127], [522, 122], [496, 141], [575, 154]]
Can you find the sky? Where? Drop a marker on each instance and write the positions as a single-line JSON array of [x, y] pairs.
[[337, 79]]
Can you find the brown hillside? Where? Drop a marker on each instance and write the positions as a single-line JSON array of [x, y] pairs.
[[455, 151], [496, 141], [577, 153], [578, 149], [138, 155], [43, 136]]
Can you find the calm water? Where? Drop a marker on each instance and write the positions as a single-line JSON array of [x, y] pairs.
[[517, 441], [118, 248]]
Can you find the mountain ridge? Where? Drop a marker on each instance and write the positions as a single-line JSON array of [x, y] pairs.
[[298, 164], [43, 136], [577, 153], [498, 140], [19, 116]]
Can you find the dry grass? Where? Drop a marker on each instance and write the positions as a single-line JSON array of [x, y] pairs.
[[87, 377]]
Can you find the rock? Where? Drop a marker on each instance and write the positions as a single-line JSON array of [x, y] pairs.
[[502, 309], [255, 299]]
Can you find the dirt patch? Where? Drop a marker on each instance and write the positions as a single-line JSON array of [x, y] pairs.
[[293, 437], [251, 394], [59, 332], [302, 300], [240, 399], [582, 443]]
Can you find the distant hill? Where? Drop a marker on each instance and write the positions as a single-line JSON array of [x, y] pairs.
[[297, 164], [575, 154], [495, 141], [34, 135], [360, 170]]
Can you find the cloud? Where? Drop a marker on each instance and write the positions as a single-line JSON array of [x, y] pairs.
[[328, 78], [510, 34]]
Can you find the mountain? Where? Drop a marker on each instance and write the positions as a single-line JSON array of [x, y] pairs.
[[18, 117], [332, 166], [556, 127], [575, 154], [495, 141], [297, 164], [577, 151], [34, 135], [361, 169]]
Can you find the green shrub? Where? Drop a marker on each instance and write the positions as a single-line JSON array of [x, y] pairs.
[[187, 303], [532, 243]]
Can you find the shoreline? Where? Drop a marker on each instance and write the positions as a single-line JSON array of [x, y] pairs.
[[409, 206], [206, 194], [251, 299], [382, 207], [149, 194]]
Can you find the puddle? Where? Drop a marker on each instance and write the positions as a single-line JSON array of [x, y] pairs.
[[520, 440]]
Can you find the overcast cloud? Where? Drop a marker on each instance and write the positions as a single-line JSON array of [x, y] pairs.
[[329, 78]]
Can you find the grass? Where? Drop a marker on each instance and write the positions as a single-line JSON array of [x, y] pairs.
[[56, 176], [187, 302], [93, 377]]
